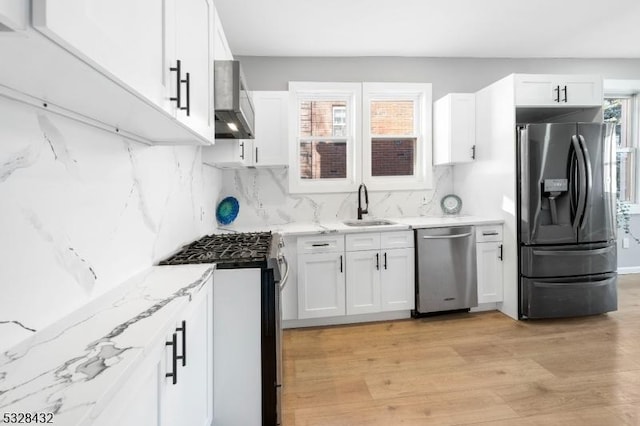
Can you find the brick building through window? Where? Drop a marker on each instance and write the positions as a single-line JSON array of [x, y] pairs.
[[393, 142]]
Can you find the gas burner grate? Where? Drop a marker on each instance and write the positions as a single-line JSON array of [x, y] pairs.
[[241, 250]]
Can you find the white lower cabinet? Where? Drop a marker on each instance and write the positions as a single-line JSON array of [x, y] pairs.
[[136, 403], [321, 285], [353, 274], [289, 295], [188, 400], [380, 272], [150, 396], [397, 278], [321, 276], [489, 263], [363, 282]]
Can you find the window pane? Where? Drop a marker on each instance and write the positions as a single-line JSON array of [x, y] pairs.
[[626, 176], [393, 157], [317, 118], [616, 111], [392, 118], [339, 121], [323, 160]]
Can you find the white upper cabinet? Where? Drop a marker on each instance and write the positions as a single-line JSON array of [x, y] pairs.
[[14, 15], [454, 129], [193, 47], [545, 90], [229, 154], [271, 128], [109, 63], [127, 46], [268, 149]]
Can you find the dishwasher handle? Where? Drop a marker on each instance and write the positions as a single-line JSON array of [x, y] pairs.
[[445, 237]]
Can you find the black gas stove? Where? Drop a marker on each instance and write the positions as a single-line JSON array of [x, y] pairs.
[[227, 251]]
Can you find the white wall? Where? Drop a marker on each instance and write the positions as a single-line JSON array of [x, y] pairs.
[[629, 258], [83, 210], [446, 74]]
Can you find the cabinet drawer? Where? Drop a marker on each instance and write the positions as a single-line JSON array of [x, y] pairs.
[[368, 241], [488, 233], [399, 239], [321, 244]]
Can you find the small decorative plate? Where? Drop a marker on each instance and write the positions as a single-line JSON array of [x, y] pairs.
[[227, 210], [451, 204]]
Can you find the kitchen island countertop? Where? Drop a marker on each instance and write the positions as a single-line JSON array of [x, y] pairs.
[[73, 367]]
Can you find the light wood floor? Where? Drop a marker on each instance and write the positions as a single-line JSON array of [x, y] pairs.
[[481, 368]]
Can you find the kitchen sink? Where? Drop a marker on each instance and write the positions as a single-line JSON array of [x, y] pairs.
[[370, 222]]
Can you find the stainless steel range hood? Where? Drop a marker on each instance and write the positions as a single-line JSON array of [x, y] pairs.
[[233, 107]]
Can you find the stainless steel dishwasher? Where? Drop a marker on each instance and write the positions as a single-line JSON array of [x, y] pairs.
[[445, 269]]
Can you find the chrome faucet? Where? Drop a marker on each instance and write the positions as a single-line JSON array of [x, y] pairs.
[[362, 211]]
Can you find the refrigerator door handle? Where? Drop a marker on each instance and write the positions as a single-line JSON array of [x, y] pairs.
[[582, 182], [589, 178]]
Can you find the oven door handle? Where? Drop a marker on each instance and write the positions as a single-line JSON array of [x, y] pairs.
[[283, 281]]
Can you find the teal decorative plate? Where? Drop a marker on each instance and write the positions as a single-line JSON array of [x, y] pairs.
[[227, 210]]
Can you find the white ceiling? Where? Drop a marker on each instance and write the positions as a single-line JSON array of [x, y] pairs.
[[444, 28]]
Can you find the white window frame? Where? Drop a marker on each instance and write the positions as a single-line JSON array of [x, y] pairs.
[[621, 89], [358, 139], [351, 94], [420, 94], [334, 116]]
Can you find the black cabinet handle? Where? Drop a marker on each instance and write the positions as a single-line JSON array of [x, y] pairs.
[[242, 152], [177, 70], [557, 90], [473, 152], [187, 81], [564, 90], [174, 358], [256, 154], [183, 330], [319, 245], [340, 263], [385, 260], [500, 257], [378, 261]]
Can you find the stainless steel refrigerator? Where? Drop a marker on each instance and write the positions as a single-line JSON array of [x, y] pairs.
[[567, 220]]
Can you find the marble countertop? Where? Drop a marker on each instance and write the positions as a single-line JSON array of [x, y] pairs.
[[400, 223], [74, 367]]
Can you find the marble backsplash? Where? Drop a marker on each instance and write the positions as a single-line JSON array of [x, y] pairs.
[[83, 210], [264, 199]]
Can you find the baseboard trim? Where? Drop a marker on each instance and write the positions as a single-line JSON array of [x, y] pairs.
[[629, 270]]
